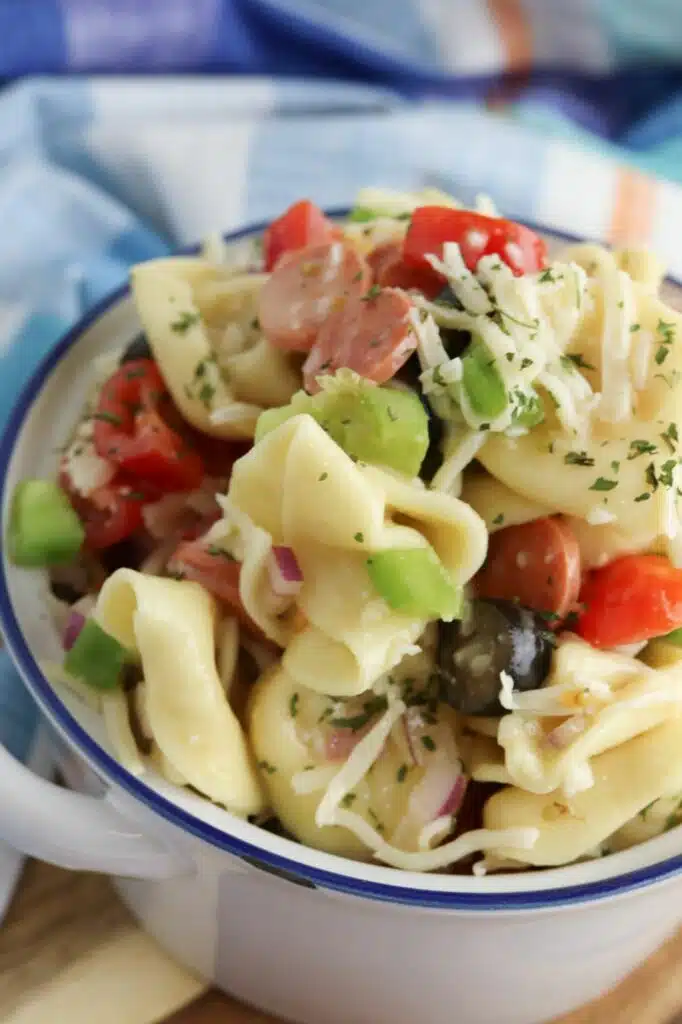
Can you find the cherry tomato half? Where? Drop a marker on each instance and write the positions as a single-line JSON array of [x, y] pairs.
[[301, 225], [632, 599], [477, 235], [130, 432]]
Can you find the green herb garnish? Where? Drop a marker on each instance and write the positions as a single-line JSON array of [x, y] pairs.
[[641, 448], [577, 359], [602, 484], [184, 322], [578, 459]]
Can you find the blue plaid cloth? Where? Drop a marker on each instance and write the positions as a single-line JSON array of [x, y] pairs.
[[322, 97]]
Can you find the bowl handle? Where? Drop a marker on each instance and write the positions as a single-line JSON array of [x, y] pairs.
[[73, 830]]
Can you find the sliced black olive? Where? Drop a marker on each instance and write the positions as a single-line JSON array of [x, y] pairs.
[[454, 340], [495, 637], [434, 453], [137, 349], [447, 297], [409, 374], [121, 555], [65, 592]]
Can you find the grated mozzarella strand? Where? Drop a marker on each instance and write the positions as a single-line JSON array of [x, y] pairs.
[[358, 764], [641, 359], [457, 457], [618, 314], [464, 284], [436, 830], [313, 779], [441, 856]]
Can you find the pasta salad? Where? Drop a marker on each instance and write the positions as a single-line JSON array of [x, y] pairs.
[[372, 536]]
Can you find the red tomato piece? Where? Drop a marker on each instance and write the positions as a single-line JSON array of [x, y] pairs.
[[216, 572], [110, 514], [130, 432], [477, 235], [302, 224], [389, 270], [372, 335], [305, 288], [632, 599], [537, 564]]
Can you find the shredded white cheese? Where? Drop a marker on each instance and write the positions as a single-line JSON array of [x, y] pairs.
[[86, 470], [441, 856], [463, 282], [598, 516], [358, 764], [313, 779], [435, 831], [618, 315]]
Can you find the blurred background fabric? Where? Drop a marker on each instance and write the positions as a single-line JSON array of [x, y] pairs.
[[130, 127], [609, 69]]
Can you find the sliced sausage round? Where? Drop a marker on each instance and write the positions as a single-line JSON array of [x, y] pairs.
[[307, 286], [536, 564], [372, 335], [390, 271], [383, 258]]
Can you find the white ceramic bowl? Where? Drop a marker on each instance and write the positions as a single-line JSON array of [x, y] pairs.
[[305, 935]]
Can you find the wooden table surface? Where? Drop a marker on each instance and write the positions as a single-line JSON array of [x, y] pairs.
[[68, 944]]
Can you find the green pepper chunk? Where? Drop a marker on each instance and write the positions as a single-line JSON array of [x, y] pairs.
[[360, 215], [378, 425], [675, 637], [43, 527], [482, 382], [96, 658], [414, 581]]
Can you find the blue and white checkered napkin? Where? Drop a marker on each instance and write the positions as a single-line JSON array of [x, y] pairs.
[[96, 174]]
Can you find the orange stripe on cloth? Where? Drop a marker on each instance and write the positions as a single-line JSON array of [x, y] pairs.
[[634, 204], [514, 30]]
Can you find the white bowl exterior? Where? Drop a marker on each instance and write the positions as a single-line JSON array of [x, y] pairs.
[[316, 956], [312, 954]]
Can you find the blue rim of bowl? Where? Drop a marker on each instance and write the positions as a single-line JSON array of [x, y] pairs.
[[268, 861]]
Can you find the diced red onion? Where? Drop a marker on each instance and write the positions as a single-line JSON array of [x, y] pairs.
[[409, 740], [169, 516], [414, 725], [563, 734], [340, 743], [286, 578], [440, 787], [455, 797], [78, 613], [74, 625]]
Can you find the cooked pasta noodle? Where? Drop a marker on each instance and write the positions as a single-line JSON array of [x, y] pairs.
[[172, 625], [199, 320], [351, 635]]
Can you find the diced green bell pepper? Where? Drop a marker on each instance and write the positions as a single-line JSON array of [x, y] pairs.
[[379, 425], [360, 215], [675, 637], [482, 382], [96, 658], [43, 527], [414, 581]]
